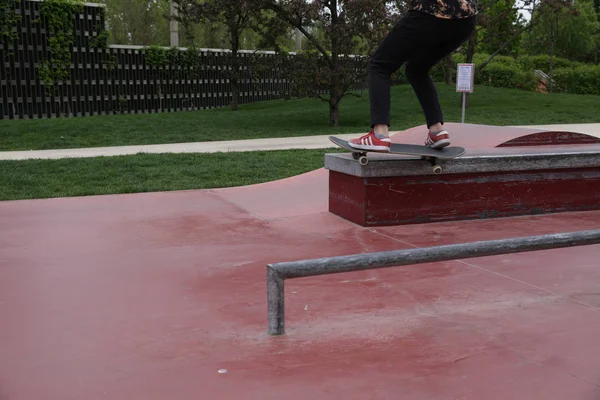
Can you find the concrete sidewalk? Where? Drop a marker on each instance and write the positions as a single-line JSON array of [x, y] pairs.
[[303, 142]]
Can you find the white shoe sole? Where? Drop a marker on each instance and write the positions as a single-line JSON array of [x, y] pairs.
[[362, 147], [440, 144]]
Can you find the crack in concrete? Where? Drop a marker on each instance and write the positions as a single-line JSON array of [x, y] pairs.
[[584, 380]]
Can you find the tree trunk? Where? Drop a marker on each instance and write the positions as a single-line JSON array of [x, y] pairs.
[[471, 44], [235, 94], [298, 38], [174, 25], [334, 94], [334, 89], [334, 113], [553, 36], [448, 63], [470, 53], [551, 66], [235, 68]]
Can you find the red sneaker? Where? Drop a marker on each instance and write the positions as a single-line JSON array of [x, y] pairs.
[[371, 142], [438, 140]]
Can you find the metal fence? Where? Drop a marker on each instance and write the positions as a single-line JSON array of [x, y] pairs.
[[278, 273], [118, 79]]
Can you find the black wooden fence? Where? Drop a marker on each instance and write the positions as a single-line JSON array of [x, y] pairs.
[[117, 79]]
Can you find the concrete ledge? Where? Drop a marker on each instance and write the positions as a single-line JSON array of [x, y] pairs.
[[474, 161], [485, 183]]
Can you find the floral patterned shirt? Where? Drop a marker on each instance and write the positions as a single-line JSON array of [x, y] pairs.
[[448, 9]]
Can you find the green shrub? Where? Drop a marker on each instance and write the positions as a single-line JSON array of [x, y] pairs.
[[437, 72], [584, 79], [508, 72], [502, 60], [542, 62], [527, 80], [480, 58], [505, 76]]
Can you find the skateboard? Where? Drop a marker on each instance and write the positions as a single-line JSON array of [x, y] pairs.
[[425, 152]]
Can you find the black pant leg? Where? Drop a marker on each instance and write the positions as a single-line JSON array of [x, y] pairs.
[[452, 34], [413, 32]]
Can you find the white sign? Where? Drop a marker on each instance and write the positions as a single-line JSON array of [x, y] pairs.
[[465, 77]]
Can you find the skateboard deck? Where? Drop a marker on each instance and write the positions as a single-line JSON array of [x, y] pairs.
[[425, 152]]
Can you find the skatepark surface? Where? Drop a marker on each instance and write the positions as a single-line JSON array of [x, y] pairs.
[[163, 296]]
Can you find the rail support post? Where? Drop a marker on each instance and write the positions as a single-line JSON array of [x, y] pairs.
[[276, 302]]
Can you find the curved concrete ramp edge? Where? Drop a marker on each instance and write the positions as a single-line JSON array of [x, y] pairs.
[[475, 136], [302, 194]]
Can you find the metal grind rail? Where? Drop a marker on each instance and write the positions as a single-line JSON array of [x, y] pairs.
[[279, 272]]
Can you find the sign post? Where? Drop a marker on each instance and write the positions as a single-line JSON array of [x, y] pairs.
[[465, 77]]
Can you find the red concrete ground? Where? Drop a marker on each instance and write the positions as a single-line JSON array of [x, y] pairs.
[[148, 296]]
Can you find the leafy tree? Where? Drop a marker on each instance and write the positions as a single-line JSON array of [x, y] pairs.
[[498, 26], [335, 29], [565, 29], [244, 21], [210, 34], [138, 22], [9, 20], [237, 15]]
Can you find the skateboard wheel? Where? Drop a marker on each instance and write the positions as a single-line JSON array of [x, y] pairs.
[[356, 155], [363, 160], [437, 169]]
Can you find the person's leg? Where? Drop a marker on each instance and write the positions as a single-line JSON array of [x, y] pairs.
[[454, 32], [408, 36]]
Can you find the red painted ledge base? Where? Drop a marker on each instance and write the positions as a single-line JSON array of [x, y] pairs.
[[402, 200]]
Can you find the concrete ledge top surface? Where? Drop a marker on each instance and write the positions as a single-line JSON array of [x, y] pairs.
[[473, 161]]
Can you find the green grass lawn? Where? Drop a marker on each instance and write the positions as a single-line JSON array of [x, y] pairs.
[[163, 172], [30, 179], [282, 118]]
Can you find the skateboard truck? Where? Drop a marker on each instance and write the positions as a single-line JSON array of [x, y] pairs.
[[437, 169], [361, 156]]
